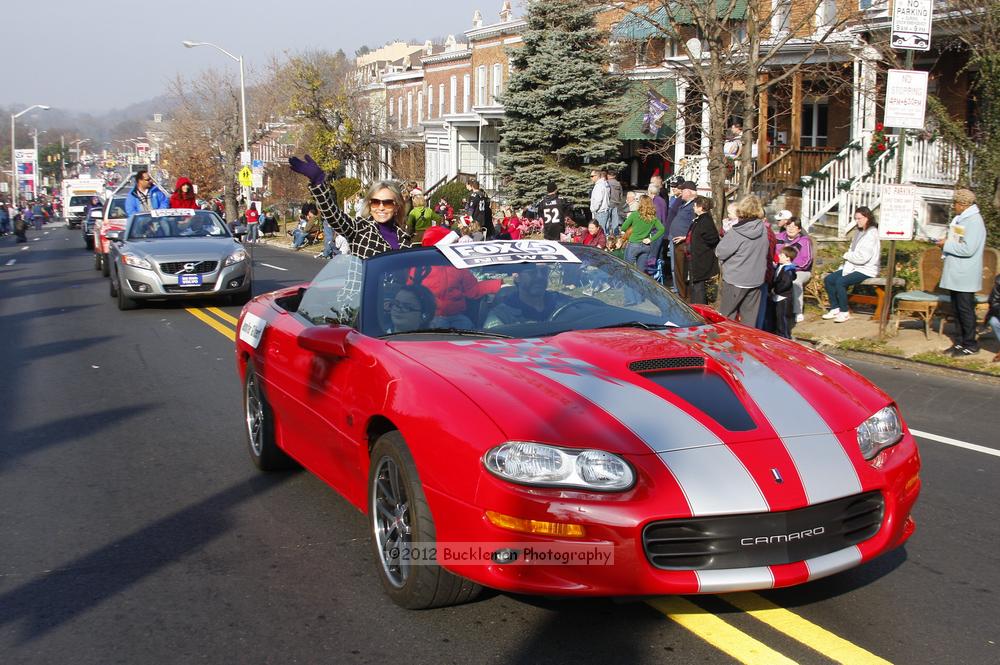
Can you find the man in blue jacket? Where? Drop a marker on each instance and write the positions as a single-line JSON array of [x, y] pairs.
[[962, 273], [145, 196]]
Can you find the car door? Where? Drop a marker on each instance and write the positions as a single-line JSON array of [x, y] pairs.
[[313, 386]]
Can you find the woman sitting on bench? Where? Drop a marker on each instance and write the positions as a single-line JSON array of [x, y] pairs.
[[861, 262]]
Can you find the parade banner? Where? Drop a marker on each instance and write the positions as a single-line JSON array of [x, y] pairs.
[[505, 252], [27, 172]]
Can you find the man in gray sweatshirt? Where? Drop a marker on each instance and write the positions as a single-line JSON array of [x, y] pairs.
[[743, 255]]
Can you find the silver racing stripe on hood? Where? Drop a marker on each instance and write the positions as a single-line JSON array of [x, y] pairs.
[[824, 468], [713, 479]]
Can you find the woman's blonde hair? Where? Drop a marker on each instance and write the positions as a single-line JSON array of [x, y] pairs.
[[646, 208], [366, 208], [749, 207]]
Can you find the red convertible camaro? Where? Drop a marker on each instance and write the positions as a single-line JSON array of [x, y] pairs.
[[541, 418]]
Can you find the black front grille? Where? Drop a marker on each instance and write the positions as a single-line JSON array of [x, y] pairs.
[[200, 267], [201, 288], [763, 539], [690, 362]]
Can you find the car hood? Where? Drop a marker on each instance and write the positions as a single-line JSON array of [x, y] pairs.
[[165, 249], [635, 391]]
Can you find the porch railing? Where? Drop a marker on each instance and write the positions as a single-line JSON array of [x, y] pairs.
[[845, 182], [935, 162]]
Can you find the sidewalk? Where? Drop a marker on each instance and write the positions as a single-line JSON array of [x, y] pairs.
[[860, 333]]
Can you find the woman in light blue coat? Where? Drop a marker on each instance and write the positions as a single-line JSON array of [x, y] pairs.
[[962, 274]]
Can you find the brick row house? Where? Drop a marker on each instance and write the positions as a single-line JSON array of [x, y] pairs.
[[443, 110]]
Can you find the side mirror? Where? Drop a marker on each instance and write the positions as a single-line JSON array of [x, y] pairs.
[[710, 314], [331, 341], [114, 236]]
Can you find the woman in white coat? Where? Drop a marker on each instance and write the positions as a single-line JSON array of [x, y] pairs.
[[861, 261]]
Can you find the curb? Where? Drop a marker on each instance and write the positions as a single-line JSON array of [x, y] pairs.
[[906, 363]]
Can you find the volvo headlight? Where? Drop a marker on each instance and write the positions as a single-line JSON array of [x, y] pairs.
[[539, 464], [133, 260], [235, 257], [882, 430]]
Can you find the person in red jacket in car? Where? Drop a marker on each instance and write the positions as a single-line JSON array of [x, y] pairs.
[[184, 196], [452, 288]]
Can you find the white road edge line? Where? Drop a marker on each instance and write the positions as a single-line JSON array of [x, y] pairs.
[[268, 265], [955, 442]]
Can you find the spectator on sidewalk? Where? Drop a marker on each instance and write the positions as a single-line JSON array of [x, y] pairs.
[[993, 314], [793, 236], [554, 211], [861, 261], [781, 293], [962, 274], [646, 229], [600, 200], [702, 239], [616, 200], [482, 213], [308, 226], [677, 234], [743, 255], [252, 216], [421, 218]]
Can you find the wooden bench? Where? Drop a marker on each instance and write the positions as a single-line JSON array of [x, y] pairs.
[[878, 300]]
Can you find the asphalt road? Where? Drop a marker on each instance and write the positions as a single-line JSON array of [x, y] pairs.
[[134, 529]]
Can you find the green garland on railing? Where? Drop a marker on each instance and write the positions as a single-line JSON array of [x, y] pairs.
[[845, 184]]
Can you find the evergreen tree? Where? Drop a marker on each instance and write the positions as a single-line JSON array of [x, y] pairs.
[[562, 106]]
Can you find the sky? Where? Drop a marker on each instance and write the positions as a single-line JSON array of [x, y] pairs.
[[98, 56]]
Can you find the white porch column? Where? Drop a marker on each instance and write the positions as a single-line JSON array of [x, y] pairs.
[[682, 87], [704, 183]]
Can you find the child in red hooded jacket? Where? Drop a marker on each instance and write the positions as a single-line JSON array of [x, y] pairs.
[[184, 196], [452, 288]]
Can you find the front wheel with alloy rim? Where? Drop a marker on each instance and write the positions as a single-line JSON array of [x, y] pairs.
[[124, 302], [259, 418], [401, 522]]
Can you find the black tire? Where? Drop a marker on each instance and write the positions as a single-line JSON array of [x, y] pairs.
[[97, 261], [88, 243], [241, 298], [125, 303], [105, 269], [259, 427], [396, 497], [113, 286]]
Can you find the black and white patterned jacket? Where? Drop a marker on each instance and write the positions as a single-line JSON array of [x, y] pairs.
[[362, 234]]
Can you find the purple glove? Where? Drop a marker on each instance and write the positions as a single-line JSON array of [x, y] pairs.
[[309, 169]]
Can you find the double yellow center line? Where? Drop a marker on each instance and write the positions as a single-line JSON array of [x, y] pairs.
[[707, 626], [747, 649], [218, 322]]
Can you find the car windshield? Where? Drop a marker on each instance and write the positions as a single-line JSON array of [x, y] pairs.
[[117, 208], [165, 224], [80, 200], [417, 292]]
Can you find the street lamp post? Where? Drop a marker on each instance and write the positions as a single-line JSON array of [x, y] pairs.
[[243, 95], [13, 162]]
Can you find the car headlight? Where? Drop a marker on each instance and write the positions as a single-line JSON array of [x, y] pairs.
[[539, 464], [235, 257], [882, 430], [136, 261]]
